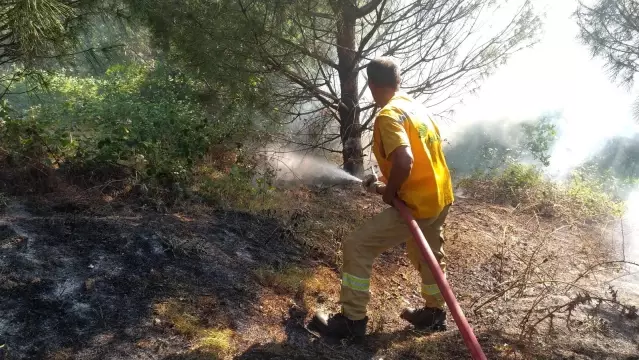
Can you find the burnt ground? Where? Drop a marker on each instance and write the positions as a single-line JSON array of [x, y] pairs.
[[87, 284], [200, 283]]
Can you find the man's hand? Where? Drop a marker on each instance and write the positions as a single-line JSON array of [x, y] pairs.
[[371, 184], [388, 196], [369, 180]]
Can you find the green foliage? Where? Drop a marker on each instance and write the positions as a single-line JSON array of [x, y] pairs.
[[609, 28], [492, 146], [37, 27], [616, 165], [45, 34], [242, 188], [145, 118], [539, 137], [519, 177], [213, 42], [594, 193], [288, 51], [581, 196], [516, 183]]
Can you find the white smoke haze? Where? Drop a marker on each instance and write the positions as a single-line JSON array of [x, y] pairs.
[[629, 235], [559, 75]]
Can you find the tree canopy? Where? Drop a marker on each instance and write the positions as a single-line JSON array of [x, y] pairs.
[[300, 62], [611, 29], [310, 54]]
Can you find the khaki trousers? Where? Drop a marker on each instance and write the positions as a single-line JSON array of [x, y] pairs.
[[383, 231]]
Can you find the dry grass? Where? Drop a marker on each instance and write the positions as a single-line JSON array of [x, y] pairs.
[[209, 343], [62, 354], [289, 280], [178, 316], [527, 262], [526, 189], [215, 341], [536, 279], [4, 201], [512, 263]]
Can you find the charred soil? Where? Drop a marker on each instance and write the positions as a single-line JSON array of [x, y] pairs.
[[93, 280]]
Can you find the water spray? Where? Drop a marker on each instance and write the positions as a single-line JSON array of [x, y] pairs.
[[294, 167]]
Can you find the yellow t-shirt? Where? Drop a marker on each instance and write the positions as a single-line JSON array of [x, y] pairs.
[[405, 122]]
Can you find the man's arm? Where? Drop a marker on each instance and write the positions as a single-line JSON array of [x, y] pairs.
[[401, 165], [394, 140]]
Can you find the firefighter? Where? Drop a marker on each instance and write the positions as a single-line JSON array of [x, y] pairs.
[[408, 148]]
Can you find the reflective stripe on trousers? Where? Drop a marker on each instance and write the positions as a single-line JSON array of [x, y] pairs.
[[363, 246], [355, 283], [430, 290]]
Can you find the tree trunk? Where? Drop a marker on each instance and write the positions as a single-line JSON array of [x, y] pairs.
[[350, 127]]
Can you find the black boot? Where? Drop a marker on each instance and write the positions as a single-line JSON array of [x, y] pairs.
[[4, 351], [431, 319], [339, 326]]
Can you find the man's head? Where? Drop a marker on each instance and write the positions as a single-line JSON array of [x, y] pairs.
[[383, 79]]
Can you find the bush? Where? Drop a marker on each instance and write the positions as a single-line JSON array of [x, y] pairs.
[[519, 179], [515, 184], [524, 186], [481, 146], [594, 194], [140, 117], [242, 187]]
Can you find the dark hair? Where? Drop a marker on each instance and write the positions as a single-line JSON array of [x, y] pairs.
[[383, 72]]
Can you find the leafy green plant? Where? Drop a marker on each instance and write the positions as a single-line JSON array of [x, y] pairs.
[[593, 193], [519, 177], [242, 188], [141, 117], [487, 146], [582, 196], [539, 137]]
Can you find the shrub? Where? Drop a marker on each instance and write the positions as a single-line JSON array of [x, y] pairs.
[[582, 196], [593, 194], [518, 179], [481, 146], [140, 117], [241, 188], [516, 184]]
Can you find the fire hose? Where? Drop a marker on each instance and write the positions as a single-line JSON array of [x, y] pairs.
[[458, 315]]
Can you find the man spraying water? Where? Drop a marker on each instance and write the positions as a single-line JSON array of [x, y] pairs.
[[407, 146]]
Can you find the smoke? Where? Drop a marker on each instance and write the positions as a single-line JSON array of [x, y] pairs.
[[610, 156], [488, 145], [628, 233], [631, 227]]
